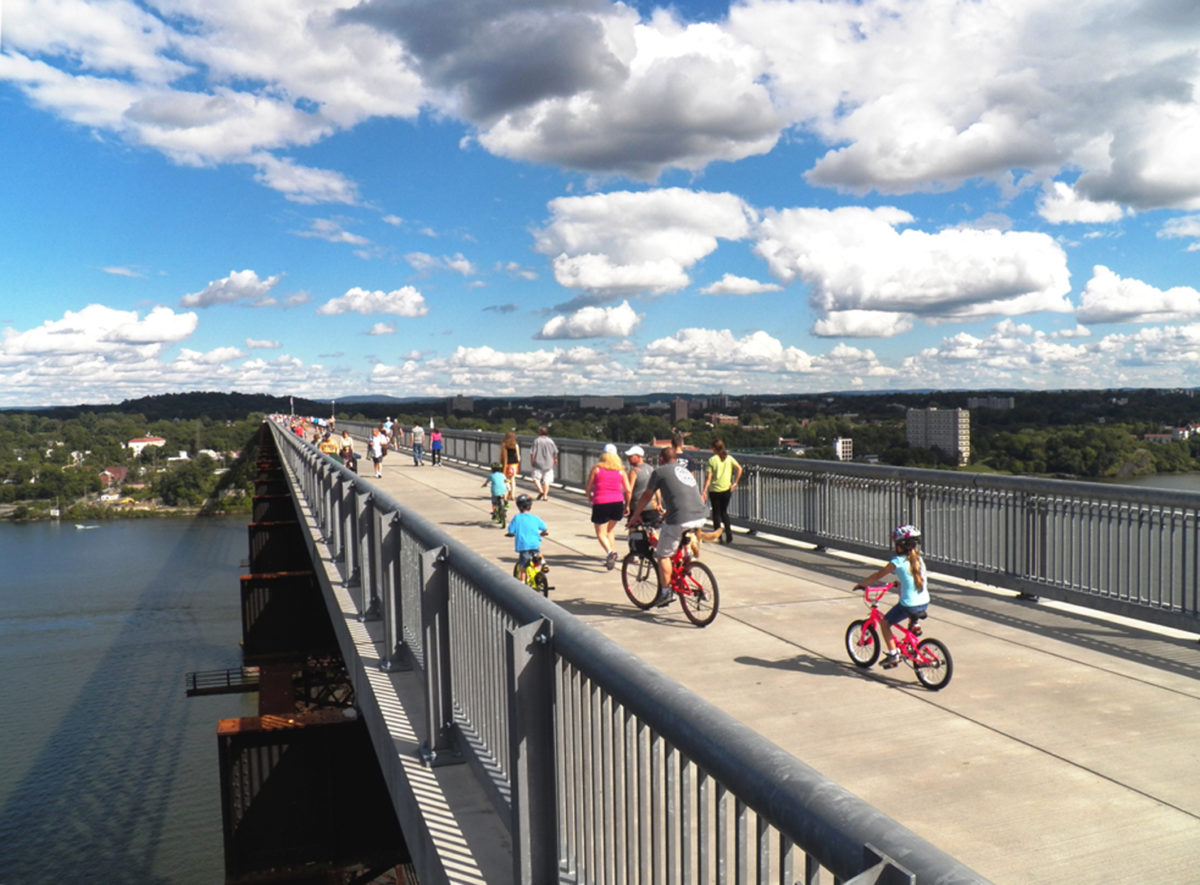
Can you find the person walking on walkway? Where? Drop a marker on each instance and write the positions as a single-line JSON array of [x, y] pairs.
[[418, 445], [543, 458], [377, 451], [608, 489], [435, 446], [510, 461], [638, 475], [720, 480]]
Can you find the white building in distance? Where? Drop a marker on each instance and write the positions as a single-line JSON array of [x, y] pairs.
[[945, 429], [141, 442]]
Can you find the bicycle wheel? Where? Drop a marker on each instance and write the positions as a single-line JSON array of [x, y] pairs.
[[862, 643], [541, 584], [699, 594], [933, 665], [639, 576]]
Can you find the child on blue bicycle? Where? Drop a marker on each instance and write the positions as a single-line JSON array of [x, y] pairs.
[[909, 568], [527, 530], [499, 489]]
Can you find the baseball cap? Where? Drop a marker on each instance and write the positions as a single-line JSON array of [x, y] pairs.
[[635, 450], [610, 448]]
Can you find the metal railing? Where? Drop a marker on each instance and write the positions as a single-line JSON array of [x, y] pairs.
[[1128, 550], [231, 680], [604, 769]]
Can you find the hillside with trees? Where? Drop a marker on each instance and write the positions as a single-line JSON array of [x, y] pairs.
[[48, 460]]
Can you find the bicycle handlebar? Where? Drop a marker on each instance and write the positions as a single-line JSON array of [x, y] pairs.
[[880, 590]]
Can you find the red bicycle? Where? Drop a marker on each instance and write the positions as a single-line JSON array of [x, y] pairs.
[[929, 658], [691, 580]]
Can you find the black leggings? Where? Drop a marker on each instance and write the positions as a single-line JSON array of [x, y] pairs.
[[720, 510], [435, 456]]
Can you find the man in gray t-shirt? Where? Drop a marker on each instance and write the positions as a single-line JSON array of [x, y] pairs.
[[685, 510], [543, 458]]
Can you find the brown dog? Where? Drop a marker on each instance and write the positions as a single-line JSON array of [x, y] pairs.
[[699, 535]]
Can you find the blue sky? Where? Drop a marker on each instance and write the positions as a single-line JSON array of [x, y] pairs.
[[328, 198]]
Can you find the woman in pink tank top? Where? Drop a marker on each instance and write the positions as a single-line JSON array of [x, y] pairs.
[[608, 490]]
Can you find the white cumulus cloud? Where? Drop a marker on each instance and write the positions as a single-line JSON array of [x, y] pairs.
[[240, 285], [405, 301], [97, 329], [625, 241], [857, 258], [1109, 298], [593, 322], [731, 284], [1060, 204]]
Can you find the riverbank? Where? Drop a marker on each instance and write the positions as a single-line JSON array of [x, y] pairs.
[[23, 513]]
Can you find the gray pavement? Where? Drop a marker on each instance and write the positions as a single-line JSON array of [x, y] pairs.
[[1065, 749]]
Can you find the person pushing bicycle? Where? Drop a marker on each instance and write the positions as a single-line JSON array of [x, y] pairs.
[[909, 568]]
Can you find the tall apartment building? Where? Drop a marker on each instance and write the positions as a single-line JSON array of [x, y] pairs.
[[945, 429], [843, 448], [679, 410]]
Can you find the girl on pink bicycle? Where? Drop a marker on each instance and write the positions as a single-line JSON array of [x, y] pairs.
[[909, 569]]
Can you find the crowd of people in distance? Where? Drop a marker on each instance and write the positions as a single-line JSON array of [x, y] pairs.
[[632, 491], [322, 433]]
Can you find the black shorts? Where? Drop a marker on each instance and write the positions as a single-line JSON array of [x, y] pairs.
[[606, 513]]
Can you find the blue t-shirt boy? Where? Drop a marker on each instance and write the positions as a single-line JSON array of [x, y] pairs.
[[527, 530], [496, 481]]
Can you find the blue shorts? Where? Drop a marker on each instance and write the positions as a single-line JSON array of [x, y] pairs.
[[899, 612]]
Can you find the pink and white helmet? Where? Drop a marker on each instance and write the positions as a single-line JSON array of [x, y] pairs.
[[906, 532]]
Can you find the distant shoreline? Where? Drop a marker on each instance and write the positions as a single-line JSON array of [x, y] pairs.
[[7, 515]]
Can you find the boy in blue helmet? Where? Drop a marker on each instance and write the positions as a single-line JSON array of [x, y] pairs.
[[527, 529]]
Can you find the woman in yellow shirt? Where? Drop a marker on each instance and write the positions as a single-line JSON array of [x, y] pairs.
[[720, 480]]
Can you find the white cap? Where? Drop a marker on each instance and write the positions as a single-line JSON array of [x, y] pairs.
[[610, 448], [635, 450]]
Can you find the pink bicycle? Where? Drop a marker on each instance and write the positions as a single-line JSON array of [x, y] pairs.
[[929, 658]]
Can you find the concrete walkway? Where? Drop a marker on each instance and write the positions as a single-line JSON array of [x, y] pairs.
[[1065, 749]]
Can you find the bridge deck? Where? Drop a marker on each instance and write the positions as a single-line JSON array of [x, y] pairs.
[[1064, 749]]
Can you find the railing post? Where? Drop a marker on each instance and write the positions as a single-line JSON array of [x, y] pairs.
[[349, 517], [386, 593], [531, 702], [439, 747], [366, 543], [324, 505], [881, 870]]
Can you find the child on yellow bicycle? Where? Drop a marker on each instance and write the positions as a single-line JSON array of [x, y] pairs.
[[909, 568], [527, 529]]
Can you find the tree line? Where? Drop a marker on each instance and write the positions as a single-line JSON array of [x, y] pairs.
[[47, 459]]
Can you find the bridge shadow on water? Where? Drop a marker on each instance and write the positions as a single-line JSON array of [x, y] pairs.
[[95, 801]]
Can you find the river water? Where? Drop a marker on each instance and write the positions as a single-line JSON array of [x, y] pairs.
[[1176, 482], [109, 771]]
